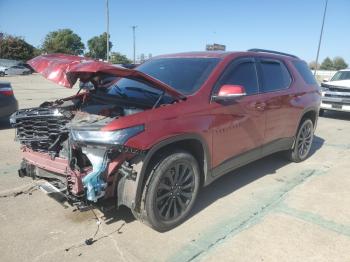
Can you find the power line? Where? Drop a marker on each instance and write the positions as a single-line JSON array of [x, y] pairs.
[[320, 40], [134, 41], [107, 17]]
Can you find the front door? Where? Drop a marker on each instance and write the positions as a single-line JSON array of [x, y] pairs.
[[240, 125]]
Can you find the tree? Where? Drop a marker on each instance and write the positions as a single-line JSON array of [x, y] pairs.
[[339, 63], [118, 58], [327, 64], [312, 65], [63, 41], [98, 47], [13, 47]]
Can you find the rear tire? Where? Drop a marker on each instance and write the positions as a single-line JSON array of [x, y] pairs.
[[2, 73], [170, 191], [303, 142]]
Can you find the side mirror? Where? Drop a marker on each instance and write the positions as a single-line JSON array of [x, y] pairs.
[[325, 80], [229, 93]]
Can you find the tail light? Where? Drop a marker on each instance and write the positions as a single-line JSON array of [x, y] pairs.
[[6, 91]]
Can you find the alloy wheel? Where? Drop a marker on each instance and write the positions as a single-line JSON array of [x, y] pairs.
[[304, 140], [175, 191]]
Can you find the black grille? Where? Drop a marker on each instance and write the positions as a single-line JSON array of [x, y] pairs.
[[40, 128]]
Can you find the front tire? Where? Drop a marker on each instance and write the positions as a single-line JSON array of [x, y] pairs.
[[170, 191], [321, 112], [303, 142]]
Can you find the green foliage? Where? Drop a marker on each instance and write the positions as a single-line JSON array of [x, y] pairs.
[[98, 47], [327, 64], [13, 47], [339, 63], [63, 41], [118, 58]]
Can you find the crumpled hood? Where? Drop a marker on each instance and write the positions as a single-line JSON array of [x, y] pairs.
[[65, 70]]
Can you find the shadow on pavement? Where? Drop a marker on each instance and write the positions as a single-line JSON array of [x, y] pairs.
[[336, 115], [223, 186], [4, 124], [241, 177]]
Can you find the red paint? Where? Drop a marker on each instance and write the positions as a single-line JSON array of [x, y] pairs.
[[227, 90], [66, 69], [228, 130]]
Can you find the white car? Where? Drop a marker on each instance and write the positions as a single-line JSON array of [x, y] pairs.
[[17, 70], [336, 92], [2, 70]]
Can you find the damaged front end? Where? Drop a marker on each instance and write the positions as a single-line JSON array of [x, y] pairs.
[[62, 143], [66, 142]]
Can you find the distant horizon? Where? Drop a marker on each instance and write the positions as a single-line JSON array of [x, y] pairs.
[[180, 26]]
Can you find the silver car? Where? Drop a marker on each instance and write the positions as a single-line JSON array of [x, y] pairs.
[[17, 70]]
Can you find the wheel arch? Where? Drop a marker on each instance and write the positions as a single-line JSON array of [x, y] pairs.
[[193, 143], [311, 113]]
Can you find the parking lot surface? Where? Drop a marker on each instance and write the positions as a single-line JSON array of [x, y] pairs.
[[270, 210]]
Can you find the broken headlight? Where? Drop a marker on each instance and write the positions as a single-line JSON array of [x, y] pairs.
[[106, 137]]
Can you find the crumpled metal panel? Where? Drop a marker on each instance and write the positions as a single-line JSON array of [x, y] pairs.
[[65, 70]]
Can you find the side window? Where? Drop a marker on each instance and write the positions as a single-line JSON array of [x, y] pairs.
[[275, 75], [305, 72], [243, 74]]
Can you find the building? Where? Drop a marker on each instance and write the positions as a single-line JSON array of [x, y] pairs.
[[215, 47]]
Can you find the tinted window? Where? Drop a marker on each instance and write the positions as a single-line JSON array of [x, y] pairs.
[[243, 74], [305, 72], [184, 74], [275, 76]]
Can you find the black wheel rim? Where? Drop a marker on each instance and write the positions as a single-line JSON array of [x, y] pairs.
[[175, 191], [304, 140]]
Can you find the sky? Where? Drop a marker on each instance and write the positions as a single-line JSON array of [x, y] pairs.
[[291, 26]]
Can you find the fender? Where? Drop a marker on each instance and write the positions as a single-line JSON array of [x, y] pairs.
[[130, 189], [305, 111]]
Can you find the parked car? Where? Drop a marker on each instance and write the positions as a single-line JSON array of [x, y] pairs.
[[17, 70], [8, 102], [149, 138], [336, 92], [2, 71]]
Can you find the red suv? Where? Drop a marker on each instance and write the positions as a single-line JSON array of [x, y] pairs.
[[150, 138]]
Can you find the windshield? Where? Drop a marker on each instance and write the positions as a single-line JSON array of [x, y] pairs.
[[185, 75], [341, 75]]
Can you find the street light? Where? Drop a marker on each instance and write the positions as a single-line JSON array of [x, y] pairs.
[[319, 42], [107, 17], [134, 41]]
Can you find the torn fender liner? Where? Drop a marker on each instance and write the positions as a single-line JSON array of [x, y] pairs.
[[93, 182], [65, 70]]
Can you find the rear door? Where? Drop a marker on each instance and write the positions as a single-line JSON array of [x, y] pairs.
[[239, 126], [276, 80]]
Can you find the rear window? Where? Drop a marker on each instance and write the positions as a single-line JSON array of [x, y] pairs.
[[305, 72], [275, 76]]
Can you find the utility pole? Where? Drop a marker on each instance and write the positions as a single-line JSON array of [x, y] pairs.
[[134, 40], [107, 16], [320, 40]]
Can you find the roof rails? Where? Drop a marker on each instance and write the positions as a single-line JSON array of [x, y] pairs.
[[271, 52]]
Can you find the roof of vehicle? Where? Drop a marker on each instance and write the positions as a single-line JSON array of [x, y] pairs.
[[223, 54], [347, 69]]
